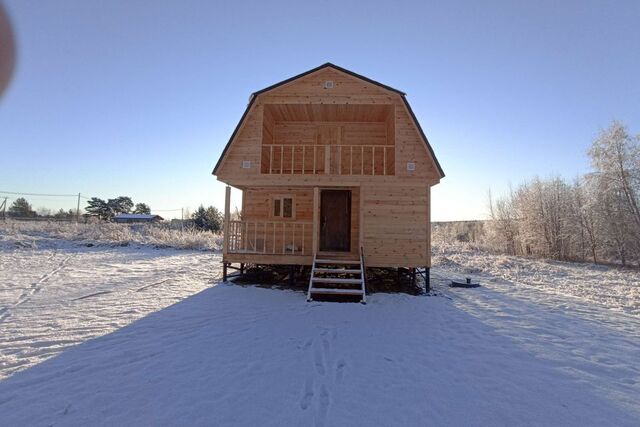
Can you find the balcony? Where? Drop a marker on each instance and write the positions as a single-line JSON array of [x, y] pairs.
[[328, 159], [319, 139]]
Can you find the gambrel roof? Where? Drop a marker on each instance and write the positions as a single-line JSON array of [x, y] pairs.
[[343, 70]]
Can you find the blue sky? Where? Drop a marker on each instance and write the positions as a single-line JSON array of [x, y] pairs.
[[139, 97]]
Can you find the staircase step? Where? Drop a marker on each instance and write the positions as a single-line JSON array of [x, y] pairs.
[[335, 280], [336, 291], [337, 261], [337, 270]]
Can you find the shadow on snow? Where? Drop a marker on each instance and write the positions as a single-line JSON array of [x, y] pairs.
[[234, 355]]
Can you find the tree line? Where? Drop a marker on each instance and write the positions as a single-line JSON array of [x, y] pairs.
[[108, 209], [594, 218], [207, 219], [21, 208]]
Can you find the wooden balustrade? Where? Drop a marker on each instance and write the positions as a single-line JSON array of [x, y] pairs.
[[328, 159], [270, 237]]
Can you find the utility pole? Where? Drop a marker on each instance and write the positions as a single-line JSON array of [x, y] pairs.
[[4, 208], [78, 210], [182, 220]]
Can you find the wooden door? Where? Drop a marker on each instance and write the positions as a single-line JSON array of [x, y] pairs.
[[335, 220]]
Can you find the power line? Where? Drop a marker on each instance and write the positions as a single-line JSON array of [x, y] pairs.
[[38, 194], [44, 199], [79, 196]]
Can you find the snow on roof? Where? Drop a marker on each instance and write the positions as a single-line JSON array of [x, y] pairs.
[[135, 216]]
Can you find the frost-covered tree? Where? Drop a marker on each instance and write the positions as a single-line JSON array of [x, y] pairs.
[[62, 214], [142, 208], [586, 205], [209, 219], [597, 217], [97, 206], [615, 158], [544, 217], [43, 211], [120, 205], [502, 230]]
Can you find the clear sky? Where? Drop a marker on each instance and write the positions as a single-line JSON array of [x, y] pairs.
[[139, 98]]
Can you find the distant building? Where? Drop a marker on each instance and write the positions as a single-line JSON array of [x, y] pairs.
[[136, 218]]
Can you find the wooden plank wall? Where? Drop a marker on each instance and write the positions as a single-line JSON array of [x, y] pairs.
[[345, 159], [257, 207], [411, 148], [395, 207], [257, 202], [395, 225], [355, 222], [245, 147], [344, 85], [330, 133], [248, 146]]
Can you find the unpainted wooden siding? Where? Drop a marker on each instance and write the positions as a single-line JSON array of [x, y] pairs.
[[396, 225], [396, 228]]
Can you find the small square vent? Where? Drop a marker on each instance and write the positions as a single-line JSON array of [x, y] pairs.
[[246, 164], [411, 166], [328, 84]]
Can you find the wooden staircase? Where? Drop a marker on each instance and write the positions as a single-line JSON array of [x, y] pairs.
[[337, 277]]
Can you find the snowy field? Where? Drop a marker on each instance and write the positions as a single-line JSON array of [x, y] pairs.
[[137, 335], [43, 234], [602, 286]]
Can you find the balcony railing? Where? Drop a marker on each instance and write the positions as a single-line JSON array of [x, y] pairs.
[[328, 159], [271, 237]]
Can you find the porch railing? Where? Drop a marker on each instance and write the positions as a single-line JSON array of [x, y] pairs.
[[271, 237], [328, 159]]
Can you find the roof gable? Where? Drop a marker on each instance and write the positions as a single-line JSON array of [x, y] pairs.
[[327, 67]]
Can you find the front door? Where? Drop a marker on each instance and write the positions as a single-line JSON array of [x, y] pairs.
[[335, 220]]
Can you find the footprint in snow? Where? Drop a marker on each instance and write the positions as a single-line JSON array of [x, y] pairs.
[[340, 370], [323, 407], [307, 395], [326, 346], [319, 363]]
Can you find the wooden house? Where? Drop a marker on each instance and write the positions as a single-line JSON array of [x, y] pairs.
[[335, 172], [123, 218]]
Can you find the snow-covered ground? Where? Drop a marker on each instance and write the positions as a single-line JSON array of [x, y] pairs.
[[602, 286], [51, 299], [143, 336]]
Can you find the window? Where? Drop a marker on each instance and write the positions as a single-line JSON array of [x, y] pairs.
[[287, 207], [283, 207], [277, 205]]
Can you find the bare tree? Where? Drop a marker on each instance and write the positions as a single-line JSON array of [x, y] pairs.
[[589, 222], [615, 157], [503, 227], [598, 216]]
